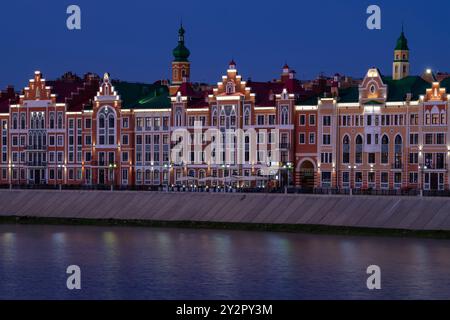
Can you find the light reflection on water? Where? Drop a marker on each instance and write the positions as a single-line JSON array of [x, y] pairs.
[[146, 263]]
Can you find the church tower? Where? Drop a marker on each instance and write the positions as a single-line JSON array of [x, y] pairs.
[[401, 58], [181, 67]]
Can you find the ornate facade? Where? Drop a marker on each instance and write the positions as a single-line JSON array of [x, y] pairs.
[[385, 133]]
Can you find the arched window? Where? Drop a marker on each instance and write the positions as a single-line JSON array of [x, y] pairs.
[[106, 131], [247, 117], [111, 129], [32, 121], [139, 176], [359, 149], [284, 116], [222, 118], [214, 118], [22, 121], [52, 120], [201, 177], [230, 87], [385, 149], [60, 120], [435, 115], [398, 149], [15, 121], [178, 118], [191, 173], [346, 150], [156, 177], [148, 176], [233, 118]]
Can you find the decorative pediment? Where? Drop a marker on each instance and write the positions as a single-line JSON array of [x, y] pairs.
[[232, 85], [107, 91], [372, 87], [37, 90], [436, 93]]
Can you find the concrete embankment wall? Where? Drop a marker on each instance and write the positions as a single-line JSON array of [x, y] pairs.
[[412, 213]]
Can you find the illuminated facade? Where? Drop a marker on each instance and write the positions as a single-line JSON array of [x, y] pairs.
[[385, 133]]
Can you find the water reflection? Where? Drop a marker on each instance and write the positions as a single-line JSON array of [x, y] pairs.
[[145, 263]]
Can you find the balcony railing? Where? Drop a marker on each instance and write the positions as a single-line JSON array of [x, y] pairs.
[[36, 163], [284, 145]]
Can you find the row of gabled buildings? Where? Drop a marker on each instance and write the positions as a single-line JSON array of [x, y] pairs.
[[379, 133]]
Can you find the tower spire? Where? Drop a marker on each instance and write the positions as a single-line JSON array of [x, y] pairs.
[[401, 57], [180, 64]]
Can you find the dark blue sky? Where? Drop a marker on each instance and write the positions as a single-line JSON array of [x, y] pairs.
[[133, 40]]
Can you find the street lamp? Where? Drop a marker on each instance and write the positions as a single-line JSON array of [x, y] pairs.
[[112, 166], [422, 178]]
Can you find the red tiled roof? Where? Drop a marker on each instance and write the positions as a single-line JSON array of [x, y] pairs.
[[74, 91], [196, 98], [7, 97], [264, 90], [186, 90], [84, 95]]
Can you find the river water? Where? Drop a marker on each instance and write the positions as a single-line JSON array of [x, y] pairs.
[[153, 263]]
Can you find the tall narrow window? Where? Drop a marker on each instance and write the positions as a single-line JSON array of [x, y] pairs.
[[385, 149], [284, 116], [247, 117], [52, 120], [106, 127], [22, 121], [346, 150], [214, 118], [398, 152], [359, 149]]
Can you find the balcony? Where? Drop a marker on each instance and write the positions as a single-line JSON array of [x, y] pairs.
[[284, 145], [36, 163]]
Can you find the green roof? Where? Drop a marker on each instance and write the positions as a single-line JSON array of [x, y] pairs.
[[143, 96], [310, 101], [348, 95], [402, 43], [398, 89], [181, 53], [446, 84]]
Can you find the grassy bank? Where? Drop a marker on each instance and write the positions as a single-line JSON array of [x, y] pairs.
[[292, 228]]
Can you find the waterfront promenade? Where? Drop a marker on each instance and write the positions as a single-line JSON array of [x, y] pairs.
[[379, 212]]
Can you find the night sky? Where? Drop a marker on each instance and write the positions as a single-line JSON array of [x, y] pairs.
[[133, 40]]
